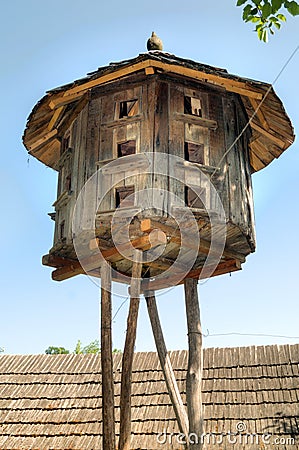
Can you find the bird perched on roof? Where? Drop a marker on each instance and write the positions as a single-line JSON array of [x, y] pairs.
[[154, 42]]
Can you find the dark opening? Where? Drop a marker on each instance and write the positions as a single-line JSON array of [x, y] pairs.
[[65, 144], [129, 108], [126, 148], [122, 198], [194, 152], [62, 230], [192, 106], [68, 183], [192, 200]]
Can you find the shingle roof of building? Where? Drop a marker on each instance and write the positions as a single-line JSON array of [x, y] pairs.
[[54, 401]]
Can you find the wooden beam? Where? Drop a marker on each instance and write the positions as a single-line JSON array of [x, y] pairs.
[[71, 116], [55, 117], [259, 113], [65, 99], [195, 361], [231, 85], [196, 120], [112, 254], [175, 236], [107, 361], [173, 390], [127, 360], [42, 140], [59, 262], [268, 134], [222, 268], [149, 71]]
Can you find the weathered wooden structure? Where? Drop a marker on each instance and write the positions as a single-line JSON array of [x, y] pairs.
[[219, 128]]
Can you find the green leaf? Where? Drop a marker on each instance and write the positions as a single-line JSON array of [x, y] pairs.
[[255, 19], [260, 33], [276, 5], [271, 31], [281, 17], [256, 2], [266, 10], [241, 2], [246, 12], [278, 25], [293, 8]]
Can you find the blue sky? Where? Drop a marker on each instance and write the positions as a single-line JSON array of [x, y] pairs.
[[47, 44]]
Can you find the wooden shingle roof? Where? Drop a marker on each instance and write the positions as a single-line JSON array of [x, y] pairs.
[[271, 126], [54, 401]]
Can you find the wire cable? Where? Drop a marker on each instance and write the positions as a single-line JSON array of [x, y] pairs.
[[256, 111]]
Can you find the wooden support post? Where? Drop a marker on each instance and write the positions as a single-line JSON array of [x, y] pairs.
[[173, 390], [106, 360], [194, 372], [127, 360]]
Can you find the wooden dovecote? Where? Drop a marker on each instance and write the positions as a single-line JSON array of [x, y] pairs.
[[158, 102]]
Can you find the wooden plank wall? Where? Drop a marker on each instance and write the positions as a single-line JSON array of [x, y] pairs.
[[160, 126]]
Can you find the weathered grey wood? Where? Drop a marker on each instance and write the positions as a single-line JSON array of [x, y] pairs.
[[173, 390], [127, 360], [194, 371], [106, 360], [161, 142]]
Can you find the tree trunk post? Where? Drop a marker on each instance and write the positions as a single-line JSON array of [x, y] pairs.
[[194, 371], [173, 390], [106, 360], [127, 360]]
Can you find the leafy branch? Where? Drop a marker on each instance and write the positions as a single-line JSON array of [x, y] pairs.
[[266, 14]]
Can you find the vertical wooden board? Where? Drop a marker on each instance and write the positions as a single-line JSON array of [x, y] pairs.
[[82, 172], [147, 135], [105, 193], [198, 135], [232, 159], [119, 135], [161, 134], [242, 180], [107, 108], [249, 191], [76, 152], [106, 144], [93, 136], [247, 203], [133, 133], [217, 148], [176, 99], [91, 155], [81, 142], [176, 142]]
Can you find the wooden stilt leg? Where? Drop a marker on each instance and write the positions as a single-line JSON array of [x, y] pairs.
[[127, 360], [106, 361], [173, 390], [194, 372]]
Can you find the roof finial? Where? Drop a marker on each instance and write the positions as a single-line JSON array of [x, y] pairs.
[[154, 43]]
